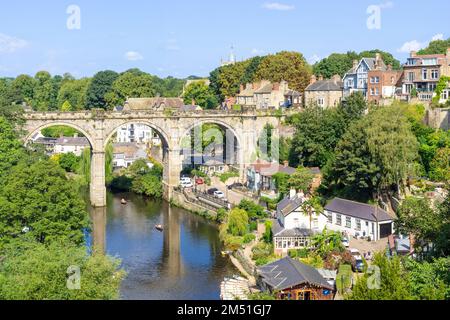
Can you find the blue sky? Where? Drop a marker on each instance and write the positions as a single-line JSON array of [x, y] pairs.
[[182, 37]]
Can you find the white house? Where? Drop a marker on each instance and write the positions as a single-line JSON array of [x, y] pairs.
[[74, 145], [125, 154], [139, 133], [359, 219]]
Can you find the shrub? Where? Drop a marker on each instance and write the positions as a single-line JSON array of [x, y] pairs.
[[249, 237]]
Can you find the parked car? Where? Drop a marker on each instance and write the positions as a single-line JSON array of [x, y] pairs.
[[235, 186], [355, 252], [185, 180], [345, 242], [199, 181], [212, 190], [187, 184], [219, 195]]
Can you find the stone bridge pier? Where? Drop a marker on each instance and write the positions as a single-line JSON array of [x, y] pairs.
[[99, 127]]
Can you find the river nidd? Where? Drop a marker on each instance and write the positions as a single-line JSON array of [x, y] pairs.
[[182, 262]]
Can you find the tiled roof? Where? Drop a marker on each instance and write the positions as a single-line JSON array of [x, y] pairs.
[[279, 231], [358, 210], [265, 89], [287, 273], [288, 205], [73, 141], [326, 85]]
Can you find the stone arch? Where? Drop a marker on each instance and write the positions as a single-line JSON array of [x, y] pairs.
[[212, 121], [158, 129], [32, 132]]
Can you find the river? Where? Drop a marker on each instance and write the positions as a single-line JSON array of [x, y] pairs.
[[183, 262]]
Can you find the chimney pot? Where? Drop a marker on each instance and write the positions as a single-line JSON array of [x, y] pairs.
[[413, 54], [313, 79], [321, 78], [355, 63]]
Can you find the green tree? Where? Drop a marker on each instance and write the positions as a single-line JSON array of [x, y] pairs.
[[436, 47], [74, 91], [69, 162], [148, 184], [200, 94], [312, 207], [33, 271], [66, 107], [237, 222], [392, 282], [289, 66], [22, 89], [131, 84], [336, 63], [99, 87], [353, 108], [253, 210], [44, 96], [38, 196], [301, 180], [109, 166], [10, 148]]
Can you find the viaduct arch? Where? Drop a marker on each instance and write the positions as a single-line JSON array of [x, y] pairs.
[[99, 127]]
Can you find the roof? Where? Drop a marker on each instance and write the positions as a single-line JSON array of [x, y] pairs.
[[288, 205], [370, 62], [265, 89], [326, 85], [45, 140], [358, 210], [247, 92], [293, 93], [287, 273], [153, 103], [129, 150], [403, 245], [73, 141], [279, 231]]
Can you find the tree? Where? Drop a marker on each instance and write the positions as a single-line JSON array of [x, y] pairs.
[[37, 195], [336, 63], [440, 165], [387, 57], [73, 91], [253, 210], [131, 84], [109, 166], [22, 89], [237, 222], [148, 185], [353, 108], [66, 107], [11, 150], [436, 47], [199, 93], [311, 207], [301, 180], [44, 96], [33, 271], [69, 162], [392, 145], [289, 66], [391, 282], [58, 131], [100, 86]]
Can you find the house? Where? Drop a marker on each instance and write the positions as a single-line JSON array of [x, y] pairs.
[[260, 176], [359, 219], [125, 154], [324, 93], [154, 104], [47, 143], [213, 166], [267, 95], [75, 145], [290, 279], [357, 78], [293, 229], [383, 84], [139, 133], [422, 74], [400, 246]]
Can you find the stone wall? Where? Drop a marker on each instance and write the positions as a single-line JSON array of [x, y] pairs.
[[438, 118]]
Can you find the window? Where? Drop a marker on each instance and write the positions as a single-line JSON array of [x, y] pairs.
[[350, 83], [372, 91], [338, 220], [348, 222], [444, 95], [435, 74], [411, 76], [377, 91], [358, 224], [330, 218], [321, 102], [424, 74]]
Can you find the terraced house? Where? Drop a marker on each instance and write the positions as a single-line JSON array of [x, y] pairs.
[[422, 74]]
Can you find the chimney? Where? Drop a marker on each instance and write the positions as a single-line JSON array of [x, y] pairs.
[[413, 54], [377, 61], [293, 194], [313, 79], [321, 78], [355, 64], [241, 88], [193, 102], [286, 164], [389, 67], [336, 78]]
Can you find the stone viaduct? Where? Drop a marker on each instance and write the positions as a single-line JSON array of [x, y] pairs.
[[99, 127]]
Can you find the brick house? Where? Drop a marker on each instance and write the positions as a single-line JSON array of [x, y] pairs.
[[422, 74], [326, 93], [383, 84]]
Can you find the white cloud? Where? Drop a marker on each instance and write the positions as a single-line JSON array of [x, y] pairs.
[[278, 6], [438, 36], [133, 56], [10, 44], [315, 58], [413, 45]]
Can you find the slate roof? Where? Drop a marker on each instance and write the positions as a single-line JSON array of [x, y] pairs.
[[247, 92], [73, 141], [358, 210], [370, 63], [288, 205], [279, 231], [287, 273], [326, 85], [265, 89]]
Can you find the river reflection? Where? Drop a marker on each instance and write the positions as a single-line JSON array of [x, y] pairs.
[[183, 262]]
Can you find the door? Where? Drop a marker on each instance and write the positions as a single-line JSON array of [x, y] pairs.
[[385, 230]]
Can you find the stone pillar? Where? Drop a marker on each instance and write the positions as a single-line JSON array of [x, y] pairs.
[[98, 218], [172, 171], [98, 183]]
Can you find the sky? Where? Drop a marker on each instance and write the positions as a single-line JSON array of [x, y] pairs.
[[190, 37]]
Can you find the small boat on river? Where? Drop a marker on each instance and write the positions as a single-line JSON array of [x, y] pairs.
[[123, 201], [159, 227]]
